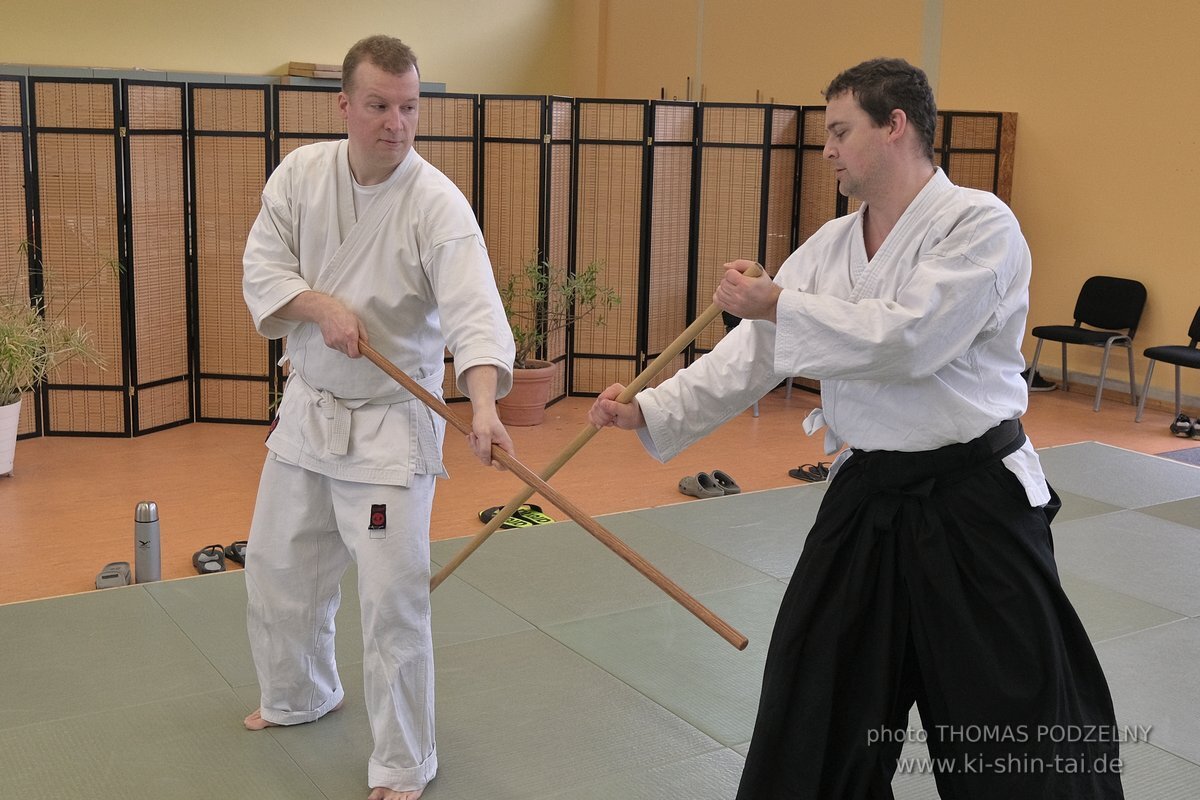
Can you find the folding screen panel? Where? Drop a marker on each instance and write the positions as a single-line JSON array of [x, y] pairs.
[[510, 180], [525, 190], [76, 150], [780, 194], [156, 246], [668, 234], [15, 232], [975, 148], [524, 197], [233, 365], [819, 200], [304, 115], [446, 138], [610, 193], [734, 155]]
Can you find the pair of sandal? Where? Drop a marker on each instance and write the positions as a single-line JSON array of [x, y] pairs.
[[704, 484], [212, 558], [811, 473], [526, 515]]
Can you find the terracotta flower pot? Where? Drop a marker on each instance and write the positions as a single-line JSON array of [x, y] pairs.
[[525, 405]]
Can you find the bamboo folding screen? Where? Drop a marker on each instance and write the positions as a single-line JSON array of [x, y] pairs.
[[610, 200], [747, 193], [233, 365], [976, 148], [165, 178], [671, 247], [512, 189], [15, 232], [75, 149], [156, 252]]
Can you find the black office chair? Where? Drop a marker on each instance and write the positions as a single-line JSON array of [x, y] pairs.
[[1177, 354], [1111, 305]]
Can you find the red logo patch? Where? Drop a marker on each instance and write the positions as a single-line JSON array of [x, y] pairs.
[[378, 517]]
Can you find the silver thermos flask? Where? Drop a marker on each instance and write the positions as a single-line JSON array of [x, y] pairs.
[[145, 543]]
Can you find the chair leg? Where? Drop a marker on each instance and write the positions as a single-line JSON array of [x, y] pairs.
[[756, 408], [1103, 371], [1133, 398], [1178, 394], [1033, 366], [788, 394], [1146, 390], [1066, 380]]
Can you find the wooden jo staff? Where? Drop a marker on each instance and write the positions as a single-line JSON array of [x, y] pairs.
[[584, 436], [631, 556]]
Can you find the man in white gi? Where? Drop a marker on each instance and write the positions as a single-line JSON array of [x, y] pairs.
[[363, 238], [929, 575]]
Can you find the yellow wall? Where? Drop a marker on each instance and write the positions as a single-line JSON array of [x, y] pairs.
[[1107, 157], [748, 50], [1106, 162], [513, 46]]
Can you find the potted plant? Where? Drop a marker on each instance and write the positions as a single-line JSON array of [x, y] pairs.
[[32, 343], [542, 300]]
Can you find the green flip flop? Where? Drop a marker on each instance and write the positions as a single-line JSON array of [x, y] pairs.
[[534, 515], [514, 521]]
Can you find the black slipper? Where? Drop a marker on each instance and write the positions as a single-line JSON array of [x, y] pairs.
[[236, 552], [209, 559], [812, 473]]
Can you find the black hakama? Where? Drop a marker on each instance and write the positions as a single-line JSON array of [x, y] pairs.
[[928, 578]]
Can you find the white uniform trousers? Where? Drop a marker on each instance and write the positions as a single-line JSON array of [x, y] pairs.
[[306, 529]]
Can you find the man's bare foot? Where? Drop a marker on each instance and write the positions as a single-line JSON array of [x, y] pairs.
[[255, 722], [391, 794]]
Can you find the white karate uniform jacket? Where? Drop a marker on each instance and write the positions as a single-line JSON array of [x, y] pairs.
[[916, 348], [415, 270]]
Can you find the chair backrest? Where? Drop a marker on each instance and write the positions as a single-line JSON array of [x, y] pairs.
[[1111, 303], [1194, 330]]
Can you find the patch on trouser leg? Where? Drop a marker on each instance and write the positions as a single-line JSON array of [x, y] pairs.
[[378, 520]]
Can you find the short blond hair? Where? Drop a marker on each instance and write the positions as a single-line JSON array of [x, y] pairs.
[[389, 54]]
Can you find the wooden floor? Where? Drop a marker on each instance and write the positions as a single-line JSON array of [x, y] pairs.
[[68, 508]]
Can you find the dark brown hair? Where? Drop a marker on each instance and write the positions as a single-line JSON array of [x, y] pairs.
[[884, 84]]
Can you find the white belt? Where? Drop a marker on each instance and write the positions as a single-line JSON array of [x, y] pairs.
[[337, 409]]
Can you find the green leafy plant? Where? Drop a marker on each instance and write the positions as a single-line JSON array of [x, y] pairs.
[[541, 300], [33, 342]]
